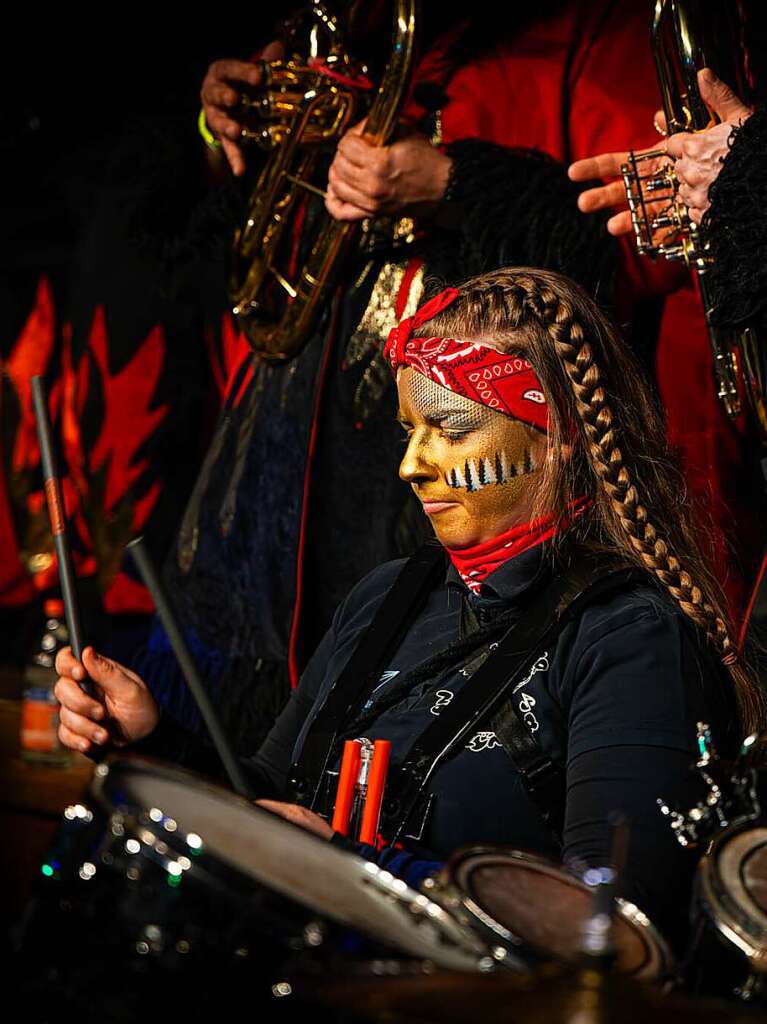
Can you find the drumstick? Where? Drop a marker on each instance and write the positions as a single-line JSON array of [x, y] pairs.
[[57, 516], [347, 780], [151, 579], [379, 766], [596, 931]]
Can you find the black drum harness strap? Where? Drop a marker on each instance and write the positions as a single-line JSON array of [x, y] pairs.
[[490, 695]]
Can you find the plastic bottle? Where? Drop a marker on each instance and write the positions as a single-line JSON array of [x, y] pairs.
[[39, 708]]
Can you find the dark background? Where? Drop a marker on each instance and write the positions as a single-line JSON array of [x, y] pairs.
[[80, 90]]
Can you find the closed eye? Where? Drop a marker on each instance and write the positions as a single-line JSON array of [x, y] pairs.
[[456, 426], [455, 433]]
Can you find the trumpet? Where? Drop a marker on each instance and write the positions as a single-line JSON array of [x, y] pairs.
[[688, 35], [286, 252]]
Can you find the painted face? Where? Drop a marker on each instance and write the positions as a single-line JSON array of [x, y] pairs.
[[471, 467]]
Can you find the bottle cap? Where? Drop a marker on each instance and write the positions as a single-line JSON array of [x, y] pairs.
[[53, 608]]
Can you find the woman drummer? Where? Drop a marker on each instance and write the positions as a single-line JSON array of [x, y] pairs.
[[537, 452]]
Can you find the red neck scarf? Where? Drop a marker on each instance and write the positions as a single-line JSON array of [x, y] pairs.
[[503, 382], [475, 564]]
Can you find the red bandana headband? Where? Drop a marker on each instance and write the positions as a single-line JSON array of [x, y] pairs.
[[506, 383]]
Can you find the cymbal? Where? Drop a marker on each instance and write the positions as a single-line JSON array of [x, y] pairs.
[[553, 996]]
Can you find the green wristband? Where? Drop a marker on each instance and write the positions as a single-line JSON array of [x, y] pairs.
[[208, 137]]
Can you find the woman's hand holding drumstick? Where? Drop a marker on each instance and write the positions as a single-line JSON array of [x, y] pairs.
[[120, 699]]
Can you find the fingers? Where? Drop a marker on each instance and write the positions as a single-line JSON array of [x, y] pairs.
[[356, 186], [696, 213], [694, 198], [113, 679], [82, 727], [66, 664], [238, 71], [273, 51], [73, 740], [601, 198], [690, 173], [69, 695], [341, 211], [219, 94], [620, 224], [369, 181], [675, 144], [79, 713], [660, 123], [298, 815], [349, 192], [605, 165], [360, 153], [222, 125], [720, 98], [275, 806], [233, 154]]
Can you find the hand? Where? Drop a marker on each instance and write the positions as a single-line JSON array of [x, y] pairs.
[[120, 695], [699, 156], [410, 175], [220, 93], [612, 195], [298, 815]]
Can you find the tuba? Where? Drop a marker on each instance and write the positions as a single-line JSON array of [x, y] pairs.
[[287, 250], [688, 35]]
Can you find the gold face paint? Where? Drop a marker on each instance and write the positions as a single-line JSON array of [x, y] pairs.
[[471, 467]]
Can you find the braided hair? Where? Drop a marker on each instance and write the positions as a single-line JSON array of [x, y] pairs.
[[606, 441]]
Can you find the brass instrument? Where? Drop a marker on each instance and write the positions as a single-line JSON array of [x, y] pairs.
[[688, 35], [310, 100]]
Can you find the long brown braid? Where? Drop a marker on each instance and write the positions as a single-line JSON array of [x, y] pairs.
[[622, 452]]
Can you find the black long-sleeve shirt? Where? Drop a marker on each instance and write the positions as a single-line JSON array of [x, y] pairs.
[[630, 678]]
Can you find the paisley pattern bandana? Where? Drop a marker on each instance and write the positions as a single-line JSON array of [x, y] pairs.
[[506, 383]]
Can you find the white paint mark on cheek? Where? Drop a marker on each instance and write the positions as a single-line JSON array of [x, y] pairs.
[[486, 472], [475, 474]]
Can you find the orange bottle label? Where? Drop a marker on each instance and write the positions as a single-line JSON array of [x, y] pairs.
[[39, 725]]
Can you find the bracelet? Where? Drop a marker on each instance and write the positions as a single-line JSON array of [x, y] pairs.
[[208, 137]]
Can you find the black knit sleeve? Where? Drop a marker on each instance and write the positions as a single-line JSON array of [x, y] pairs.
[[736, 223], [517, 206]]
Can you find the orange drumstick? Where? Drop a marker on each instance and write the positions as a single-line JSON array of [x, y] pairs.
[[347, 780], [379, 766]]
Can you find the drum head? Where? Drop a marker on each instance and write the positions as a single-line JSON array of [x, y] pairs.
[[545, 908], [754, 874], [733, 883], [285, 859]]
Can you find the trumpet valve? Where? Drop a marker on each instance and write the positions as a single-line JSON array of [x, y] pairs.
[[663, 182]]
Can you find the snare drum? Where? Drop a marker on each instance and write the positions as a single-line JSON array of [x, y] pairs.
[[729, 946], [160, 873], [537, 911]]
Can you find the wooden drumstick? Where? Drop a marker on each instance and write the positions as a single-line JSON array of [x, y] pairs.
[[57, 516]]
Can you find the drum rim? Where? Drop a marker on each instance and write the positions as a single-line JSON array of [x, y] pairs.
[[465, 941], [658, 963], [722, 910]]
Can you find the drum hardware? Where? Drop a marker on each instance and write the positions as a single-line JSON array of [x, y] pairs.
[[728, 951], [730, 792], [531, 912], [170, 877]]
